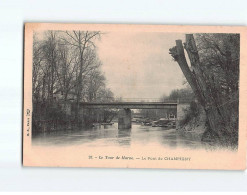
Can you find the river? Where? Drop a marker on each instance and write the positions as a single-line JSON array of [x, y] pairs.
[[109, 135]]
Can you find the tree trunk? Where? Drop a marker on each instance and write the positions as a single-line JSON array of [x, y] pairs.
[[200, 86]]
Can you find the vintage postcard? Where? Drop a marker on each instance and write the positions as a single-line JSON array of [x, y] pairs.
[[135, 96]]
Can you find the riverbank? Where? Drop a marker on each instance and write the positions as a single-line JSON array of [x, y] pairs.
[[194, 127]]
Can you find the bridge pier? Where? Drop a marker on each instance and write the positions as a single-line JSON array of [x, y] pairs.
[[124, 118]]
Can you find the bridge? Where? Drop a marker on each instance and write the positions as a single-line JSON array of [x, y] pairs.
[[129, 105], [124, 115]]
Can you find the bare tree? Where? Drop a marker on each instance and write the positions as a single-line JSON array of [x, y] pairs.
[[37, 64], [83, 45], [95, 82], [51, 58], [65, 70]]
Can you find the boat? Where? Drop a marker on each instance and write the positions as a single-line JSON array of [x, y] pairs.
[[147, 124], [155, 123]]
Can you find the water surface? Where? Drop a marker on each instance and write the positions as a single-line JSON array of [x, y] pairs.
[[110, 135]]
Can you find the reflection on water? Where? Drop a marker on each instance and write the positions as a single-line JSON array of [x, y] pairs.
[[107, 136]]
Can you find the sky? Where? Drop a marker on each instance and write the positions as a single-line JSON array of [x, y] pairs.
[[138, 64]]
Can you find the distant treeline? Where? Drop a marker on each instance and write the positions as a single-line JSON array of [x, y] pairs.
[[177, 95]]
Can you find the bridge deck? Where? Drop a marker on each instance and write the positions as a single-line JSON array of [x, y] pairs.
[[130, 105]]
